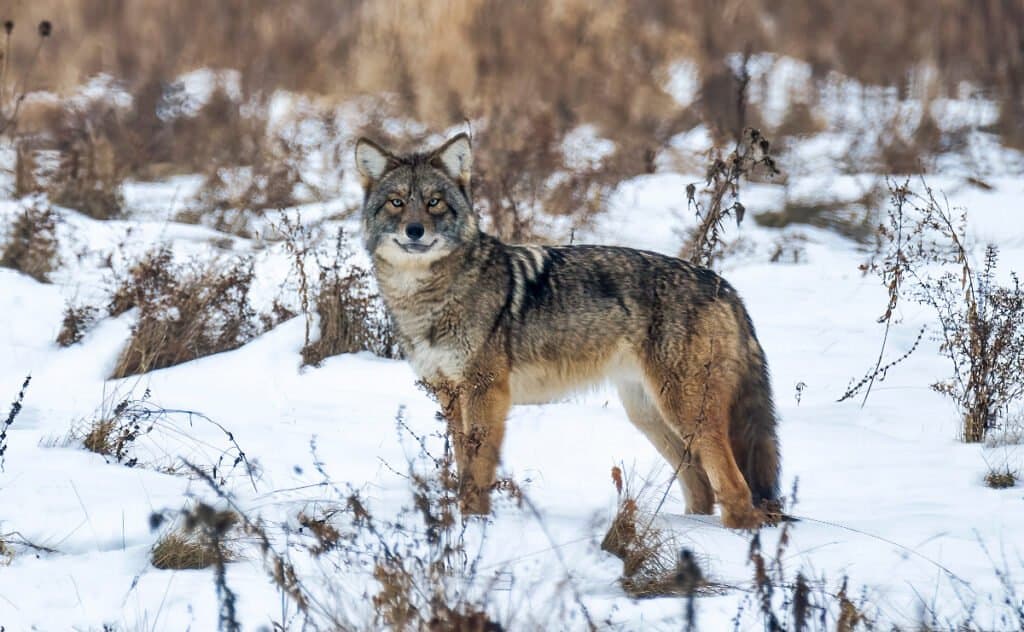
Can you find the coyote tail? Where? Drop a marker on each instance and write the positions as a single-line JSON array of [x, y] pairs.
[[752, 432]]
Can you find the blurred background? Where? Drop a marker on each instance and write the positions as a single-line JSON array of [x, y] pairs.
[[593, 92]]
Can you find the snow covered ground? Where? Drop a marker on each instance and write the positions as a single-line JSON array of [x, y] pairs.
[[886, 494]]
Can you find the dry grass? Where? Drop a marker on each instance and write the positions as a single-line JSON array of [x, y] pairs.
[[31, 243], [1001, 478], [351, 317], [78, 319], [180, 549], [186, 311], [496, 46], [525, 73], [654, 563]]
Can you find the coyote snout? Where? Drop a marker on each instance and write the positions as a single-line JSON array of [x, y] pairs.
[[488, 325]]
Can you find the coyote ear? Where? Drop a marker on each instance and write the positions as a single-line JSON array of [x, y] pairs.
[[372, 161], [456, 158]]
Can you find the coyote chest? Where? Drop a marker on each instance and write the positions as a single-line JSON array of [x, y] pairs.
[[425, 325]]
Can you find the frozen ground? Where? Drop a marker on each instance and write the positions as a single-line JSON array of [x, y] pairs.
[[887, 494]]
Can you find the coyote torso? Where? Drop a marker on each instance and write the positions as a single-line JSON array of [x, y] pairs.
[[488, 325]]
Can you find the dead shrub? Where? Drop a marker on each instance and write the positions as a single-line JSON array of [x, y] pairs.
[[149, 278], [982, 330], [351, 315], [923, 255], [254, 170], [78, 319], [186, 311], [1001, 478], [30, 246], [89, 176]]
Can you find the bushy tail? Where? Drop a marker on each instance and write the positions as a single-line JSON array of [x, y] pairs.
[[752, 432]]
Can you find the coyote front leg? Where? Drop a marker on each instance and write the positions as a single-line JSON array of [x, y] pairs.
[[485, 406], [451, 408]]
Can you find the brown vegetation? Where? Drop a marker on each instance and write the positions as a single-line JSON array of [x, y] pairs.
[[923, 256], [186, 311], [1001, 478], [525, 74], [179, 549], [77, 321], [31, 243], [654, 563]]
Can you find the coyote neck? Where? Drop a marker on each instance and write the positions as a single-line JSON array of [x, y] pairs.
[[428, 303]]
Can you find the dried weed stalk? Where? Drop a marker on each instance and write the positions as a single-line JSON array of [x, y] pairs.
[[351, 315], [16, 406], [720, 199], [924, 256], [120, 425]]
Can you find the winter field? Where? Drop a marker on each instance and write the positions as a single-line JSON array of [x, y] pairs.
[[896, 520]]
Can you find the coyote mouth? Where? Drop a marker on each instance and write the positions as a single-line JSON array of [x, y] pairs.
[[415, 247]]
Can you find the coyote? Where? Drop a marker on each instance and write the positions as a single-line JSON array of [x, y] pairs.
[[487, 324]]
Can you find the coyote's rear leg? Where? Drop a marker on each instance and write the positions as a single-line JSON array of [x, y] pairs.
[[676, 451]]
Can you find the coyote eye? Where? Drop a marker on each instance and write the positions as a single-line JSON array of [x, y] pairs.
[[396, 202], [433, 202]]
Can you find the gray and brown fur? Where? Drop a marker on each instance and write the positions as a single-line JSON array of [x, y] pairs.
[[489, 325]]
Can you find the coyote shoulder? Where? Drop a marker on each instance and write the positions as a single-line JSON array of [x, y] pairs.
[[488, 325]]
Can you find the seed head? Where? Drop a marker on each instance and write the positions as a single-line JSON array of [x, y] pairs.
[[8, 26], [45, 28]]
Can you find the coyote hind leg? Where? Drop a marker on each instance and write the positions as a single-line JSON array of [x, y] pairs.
[[703, 411], [674, 449]]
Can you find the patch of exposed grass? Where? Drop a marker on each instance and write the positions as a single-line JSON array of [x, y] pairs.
[[76, 322], [1003, 478], [654, 564], [179, 549], [186, 311], [30, 246]]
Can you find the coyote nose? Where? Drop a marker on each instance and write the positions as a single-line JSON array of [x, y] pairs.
[[414, 230]]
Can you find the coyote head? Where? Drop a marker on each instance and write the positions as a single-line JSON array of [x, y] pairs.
[[417, 208]]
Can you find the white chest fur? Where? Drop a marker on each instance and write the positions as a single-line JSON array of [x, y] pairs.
[[435, 362], [416, 315]]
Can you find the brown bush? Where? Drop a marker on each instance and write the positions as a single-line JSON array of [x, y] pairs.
[[31, 243], [351, 316], [77, 321], [185, 312]]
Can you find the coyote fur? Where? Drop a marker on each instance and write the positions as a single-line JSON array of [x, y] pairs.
[[487, 325]]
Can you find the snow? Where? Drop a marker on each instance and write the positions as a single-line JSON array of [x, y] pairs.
[[886, 494]]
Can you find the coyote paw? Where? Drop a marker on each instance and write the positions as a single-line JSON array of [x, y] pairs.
[[748, 518]]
